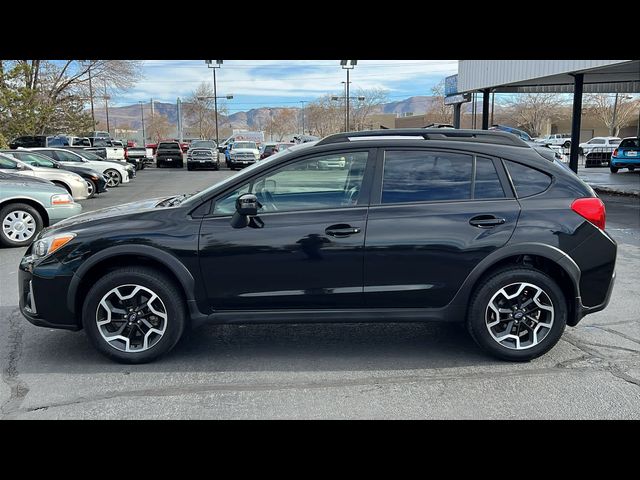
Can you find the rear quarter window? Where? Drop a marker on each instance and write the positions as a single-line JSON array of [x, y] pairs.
[[526, 180]]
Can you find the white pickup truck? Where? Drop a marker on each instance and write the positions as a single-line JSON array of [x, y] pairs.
[[111, 150], [557, 139]]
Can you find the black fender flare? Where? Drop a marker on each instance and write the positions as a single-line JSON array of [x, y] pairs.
[[552, 253], [166, 259]]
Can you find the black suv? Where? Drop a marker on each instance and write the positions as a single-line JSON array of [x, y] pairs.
[[435, 224], [169, 153]]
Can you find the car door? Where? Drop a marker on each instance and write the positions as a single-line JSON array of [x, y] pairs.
[[307, 249], [434, 215]]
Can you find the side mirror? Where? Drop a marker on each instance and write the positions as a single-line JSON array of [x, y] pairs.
[[247, 206]]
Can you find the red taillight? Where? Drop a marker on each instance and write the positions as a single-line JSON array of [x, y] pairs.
[[615, 153], [591, 209]]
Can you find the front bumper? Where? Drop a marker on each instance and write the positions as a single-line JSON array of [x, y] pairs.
[[60, 212], [43, 295]]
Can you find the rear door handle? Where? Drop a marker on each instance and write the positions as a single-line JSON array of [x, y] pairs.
[[486, 221], [341, 230]]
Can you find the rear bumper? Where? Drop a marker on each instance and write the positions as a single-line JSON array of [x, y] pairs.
[[582, 311], [625, 162]]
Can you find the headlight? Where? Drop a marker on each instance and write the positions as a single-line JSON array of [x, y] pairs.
[[61, 199], [48, 245]]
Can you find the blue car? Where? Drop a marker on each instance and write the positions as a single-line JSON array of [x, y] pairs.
[[627, 155]]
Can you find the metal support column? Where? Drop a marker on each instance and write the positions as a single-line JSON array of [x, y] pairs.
[[457, 108], [485, 108], [576, 120]]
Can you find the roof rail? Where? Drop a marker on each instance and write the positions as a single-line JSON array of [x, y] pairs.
[[479, 136]]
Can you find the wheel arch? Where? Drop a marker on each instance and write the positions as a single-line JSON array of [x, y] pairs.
[[126, 255], [548, 259], [32, 203]]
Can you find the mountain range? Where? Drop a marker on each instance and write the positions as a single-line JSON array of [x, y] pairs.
[[255, 118]]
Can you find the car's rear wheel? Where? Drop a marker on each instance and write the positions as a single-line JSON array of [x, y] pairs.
[[613, 169], [134, 314], [517, 314], [114, 177], [566, 144], [20, 224]]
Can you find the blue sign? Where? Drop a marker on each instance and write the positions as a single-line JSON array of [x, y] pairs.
[[451, 85]]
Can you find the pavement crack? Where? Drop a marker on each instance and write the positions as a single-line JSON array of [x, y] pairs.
[[10, 374], [616, 372], [615, 332]]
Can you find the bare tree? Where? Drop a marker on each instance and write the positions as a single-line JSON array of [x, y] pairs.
[[284, 122], [199, 109], [602, 106], [158, 127], [533, 111], [371, 104], [324, 117], [437, 111]]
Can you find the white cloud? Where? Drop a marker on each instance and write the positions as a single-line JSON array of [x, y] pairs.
[[165, 80]]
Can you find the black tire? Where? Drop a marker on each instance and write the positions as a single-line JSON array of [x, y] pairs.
[[181, 165], [476, 320], [62, 185], [189, 167], [162, 286], [6, 237], [566, 145], [631, 169], [92, 188], [613, 169]]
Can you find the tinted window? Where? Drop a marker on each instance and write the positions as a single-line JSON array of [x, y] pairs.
[[487, 184], [57, 141], [614, 141], [411, 176], [35, 159], [630, 143], [527, 181], [66, 156], [168, 146], [596, 141], [203, 144], [6, 163], [244, 145], [327, 181]]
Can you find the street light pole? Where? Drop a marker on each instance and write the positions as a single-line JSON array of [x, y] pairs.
[[212, 65], [144, 137], [613, 120], [93, 115], [347, 65], [106, 105], [303, 102]]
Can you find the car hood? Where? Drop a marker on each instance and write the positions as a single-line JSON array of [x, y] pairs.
[[110, 212]]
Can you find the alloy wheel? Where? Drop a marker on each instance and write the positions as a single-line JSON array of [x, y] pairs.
[[113, 178], [19, 226], [519, 316], [89, 188], [131, 318]]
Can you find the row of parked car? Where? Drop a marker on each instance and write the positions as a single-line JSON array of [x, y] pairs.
[[42, 185]]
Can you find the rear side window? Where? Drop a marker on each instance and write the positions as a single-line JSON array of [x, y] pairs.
[[630, 143], [526, 180], [415, 176], [487, 184]]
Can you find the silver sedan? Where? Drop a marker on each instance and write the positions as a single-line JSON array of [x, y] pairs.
[[71, 182]]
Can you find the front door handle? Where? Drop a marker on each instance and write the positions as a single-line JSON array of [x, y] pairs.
[[341, 230], [486, 221]]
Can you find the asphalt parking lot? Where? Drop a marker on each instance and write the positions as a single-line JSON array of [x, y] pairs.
[[384, 370]]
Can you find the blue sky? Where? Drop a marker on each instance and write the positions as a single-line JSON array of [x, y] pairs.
[[283, 82]]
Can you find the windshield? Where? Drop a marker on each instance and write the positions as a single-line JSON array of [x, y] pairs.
[[34, 159], [244, 145], [89, 155], [203, 144], [272, 158]]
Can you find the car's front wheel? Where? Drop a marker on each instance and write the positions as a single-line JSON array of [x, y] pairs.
[[517, 314], [134, 314], [20, 224], [114, 177]]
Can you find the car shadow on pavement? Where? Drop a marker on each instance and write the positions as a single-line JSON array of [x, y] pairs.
[[261, 348]]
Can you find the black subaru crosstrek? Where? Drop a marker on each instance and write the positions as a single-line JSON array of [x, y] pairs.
[[416, 225]]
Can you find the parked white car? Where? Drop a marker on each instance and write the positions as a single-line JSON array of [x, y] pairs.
[[600, 144], [71, 182], [116, 174]]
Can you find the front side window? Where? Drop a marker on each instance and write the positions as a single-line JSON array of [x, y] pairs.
[[422, 176], [8, 164], [596, 141], [320, 182]]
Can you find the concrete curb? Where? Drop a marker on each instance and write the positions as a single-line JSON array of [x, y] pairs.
[[615, 191]]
